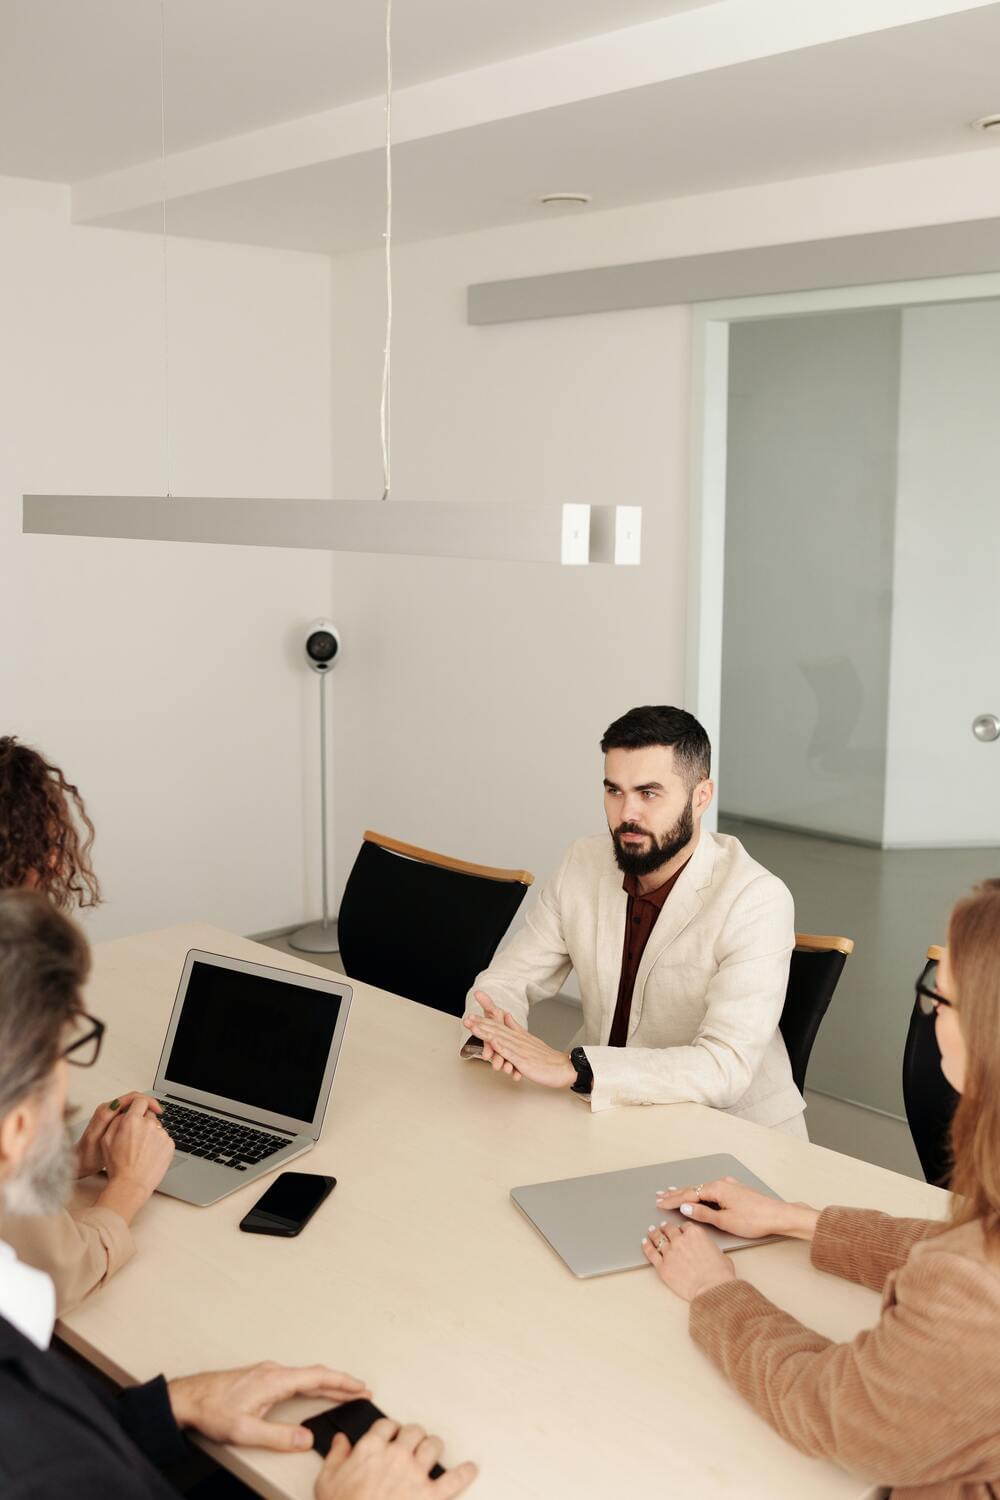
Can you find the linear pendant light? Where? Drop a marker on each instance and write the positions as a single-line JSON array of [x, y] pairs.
[[571, 534]]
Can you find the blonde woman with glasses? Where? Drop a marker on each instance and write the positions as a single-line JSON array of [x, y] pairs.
[[914, 1403]]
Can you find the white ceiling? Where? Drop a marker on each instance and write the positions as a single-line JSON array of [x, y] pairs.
[[79, 98], [888, 96], [80, 79]]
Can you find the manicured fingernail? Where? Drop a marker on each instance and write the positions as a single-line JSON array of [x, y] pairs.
[[303, 1438], [115, 1104], [687, 1210], [652, 1228]]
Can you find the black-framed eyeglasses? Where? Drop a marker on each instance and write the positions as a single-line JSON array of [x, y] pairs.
[[928, 994], [83, 1050]]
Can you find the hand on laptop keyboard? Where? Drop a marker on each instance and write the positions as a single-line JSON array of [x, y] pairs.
[[217, 1139]]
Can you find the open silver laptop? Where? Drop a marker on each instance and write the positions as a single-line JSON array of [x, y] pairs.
[[597, 1224], [246, 1071]]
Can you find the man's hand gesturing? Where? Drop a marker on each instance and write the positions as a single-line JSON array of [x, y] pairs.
[[511, 1049]]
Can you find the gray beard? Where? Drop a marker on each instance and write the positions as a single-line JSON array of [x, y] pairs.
[[43, 1181]]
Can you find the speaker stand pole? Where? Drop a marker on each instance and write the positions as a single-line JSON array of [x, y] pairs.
[[319, 937]]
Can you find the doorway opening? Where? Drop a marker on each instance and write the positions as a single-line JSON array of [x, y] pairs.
[[842, 635]]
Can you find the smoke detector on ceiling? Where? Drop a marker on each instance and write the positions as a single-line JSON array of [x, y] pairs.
[[566, 200], [987, 123]]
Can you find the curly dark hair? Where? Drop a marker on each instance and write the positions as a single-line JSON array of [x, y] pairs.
[[45, 834]]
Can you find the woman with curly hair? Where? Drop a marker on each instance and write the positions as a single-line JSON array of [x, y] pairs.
[[913, 1403], [45, 833], [45, 843]]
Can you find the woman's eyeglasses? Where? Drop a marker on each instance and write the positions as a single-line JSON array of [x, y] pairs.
[[928, 994], [83, 1048]]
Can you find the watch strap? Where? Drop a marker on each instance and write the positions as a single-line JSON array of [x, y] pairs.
[[584, 1072]]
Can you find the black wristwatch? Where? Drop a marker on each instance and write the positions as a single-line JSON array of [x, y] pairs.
[[584, 1072]]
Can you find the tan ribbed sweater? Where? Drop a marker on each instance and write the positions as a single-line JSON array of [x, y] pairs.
[[913, 1403], [79, 1248]]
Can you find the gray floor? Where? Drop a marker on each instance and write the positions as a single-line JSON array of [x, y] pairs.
[[843, 1127]]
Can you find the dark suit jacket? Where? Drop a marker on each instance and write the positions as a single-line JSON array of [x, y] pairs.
[[60, 1438]]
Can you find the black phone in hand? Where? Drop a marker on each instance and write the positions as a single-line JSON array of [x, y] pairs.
[[288, 1205], [353, 1419]]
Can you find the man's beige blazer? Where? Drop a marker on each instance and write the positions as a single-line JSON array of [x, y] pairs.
[[708, 994]]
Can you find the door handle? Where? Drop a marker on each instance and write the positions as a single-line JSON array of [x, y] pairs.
[[986, 728]]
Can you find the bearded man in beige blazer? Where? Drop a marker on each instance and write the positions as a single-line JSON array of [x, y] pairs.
[[679, 940]]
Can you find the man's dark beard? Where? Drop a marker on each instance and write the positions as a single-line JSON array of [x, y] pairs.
[[659, 853]]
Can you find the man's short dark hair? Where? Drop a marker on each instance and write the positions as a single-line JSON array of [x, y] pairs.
[[656, 724], [43, 963]]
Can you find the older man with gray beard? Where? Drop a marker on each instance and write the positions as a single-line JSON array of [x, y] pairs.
[[56, 1436]]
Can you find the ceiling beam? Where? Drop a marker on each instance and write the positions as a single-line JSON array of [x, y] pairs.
[[914, 254], [678, 46]]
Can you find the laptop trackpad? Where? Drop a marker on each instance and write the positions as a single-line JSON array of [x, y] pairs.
[[195, 1180]]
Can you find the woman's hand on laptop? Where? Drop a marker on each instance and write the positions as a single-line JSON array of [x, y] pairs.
[[136, 1152], [231, 1406], [687, 1260], [89, 1158], [740, 1210], [390, 1463]]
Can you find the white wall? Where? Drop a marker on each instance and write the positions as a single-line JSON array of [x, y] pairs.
[[163, 678], [472, 696], [942, 784], [810, 505]]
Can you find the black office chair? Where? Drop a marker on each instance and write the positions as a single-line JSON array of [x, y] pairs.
[[816, 967], [928, 1097], [423, 925]]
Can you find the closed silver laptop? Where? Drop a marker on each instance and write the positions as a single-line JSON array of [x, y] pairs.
[[597, 1224], [246, 1071]]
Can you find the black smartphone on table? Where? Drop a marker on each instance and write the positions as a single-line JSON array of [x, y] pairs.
[[288, 1204]]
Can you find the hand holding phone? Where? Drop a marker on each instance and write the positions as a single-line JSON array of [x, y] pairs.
[[353, 1419], [288, 1205]]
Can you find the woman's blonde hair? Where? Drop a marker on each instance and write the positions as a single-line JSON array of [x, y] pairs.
[[974, 959]]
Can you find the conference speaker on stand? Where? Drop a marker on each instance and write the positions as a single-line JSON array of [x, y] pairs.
[[322, 647]]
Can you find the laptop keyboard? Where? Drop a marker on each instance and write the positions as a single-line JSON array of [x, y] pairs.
[[225, 1142]]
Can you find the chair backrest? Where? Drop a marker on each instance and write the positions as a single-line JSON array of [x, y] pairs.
[[928, 1097], [422, 924], [816, 966]]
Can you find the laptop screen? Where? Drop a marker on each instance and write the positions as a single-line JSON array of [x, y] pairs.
[[259, 1041]]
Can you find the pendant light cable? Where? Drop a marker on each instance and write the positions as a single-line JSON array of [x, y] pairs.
[[163, 237], [385, 412]]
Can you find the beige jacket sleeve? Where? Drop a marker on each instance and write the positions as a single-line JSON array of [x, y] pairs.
[[906, 1403], [863, 1245], [535, 964], [742, 1008], [80, 1250]]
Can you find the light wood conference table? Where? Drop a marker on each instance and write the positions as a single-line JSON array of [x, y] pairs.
[[420, 1276]]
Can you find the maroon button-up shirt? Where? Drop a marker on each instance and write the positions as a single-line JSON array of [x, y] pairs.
[[640, 919]]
